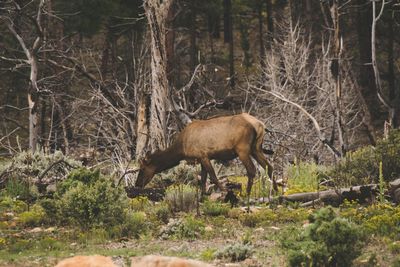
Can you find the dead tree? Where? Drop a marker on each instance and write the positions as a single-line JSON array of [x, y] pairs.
[[31, 59]]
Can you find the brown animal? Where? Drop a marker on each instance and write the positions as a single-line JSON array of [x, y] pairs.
[[161, 261], [221, 138], [87, 261]]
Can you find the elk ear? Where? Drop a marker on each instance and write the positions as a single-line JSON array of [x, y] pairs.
[[147, 158], [140, 161]]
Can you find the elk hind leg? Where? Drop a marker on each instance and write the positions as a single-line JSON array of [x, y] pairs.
[[251, 171], [262, 160]]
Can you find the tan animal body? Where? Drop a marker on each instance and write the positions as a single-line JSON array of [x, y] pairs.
[[161, 261], [87, 261], [221, 138]]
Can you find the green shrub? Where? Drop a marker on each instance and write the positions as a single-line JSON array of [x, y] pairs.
[[48, 243], [8, 204], [362, 166], [135, 224], [396, 262], [303, 177], [28, 166], [78, 176], [235, 252], [187, 228], [379, 219], [181, 198], [15, 188], [208, 254], [100, 203], [34, 217], [51, 208], [328, 241], [139, 203], [250, 219], [162, 213], [181, 174], [215, 208]]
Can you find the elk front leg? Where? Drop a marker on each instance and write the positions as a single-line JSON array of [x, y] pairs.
[[203, 175], [206, 163]]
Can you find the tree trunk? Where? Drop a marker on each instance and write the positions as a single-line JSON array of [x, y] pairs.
[[366, 76], [192, 29], [270, 23], [336, 73], [157, 13]]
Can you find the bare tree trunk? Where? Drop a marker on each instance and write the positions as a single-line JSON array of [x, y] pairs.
[[33, 90], [142, 125], [157, 13], [228, 38], [378, 83], [336, 72]]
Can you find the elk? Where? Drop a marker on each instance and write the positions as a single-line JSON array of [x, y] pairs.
[[220, 138]]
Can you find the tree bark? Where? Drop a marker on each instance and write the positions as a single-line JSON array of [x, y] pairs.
[[336, 73], [366, 73], [157, 13]]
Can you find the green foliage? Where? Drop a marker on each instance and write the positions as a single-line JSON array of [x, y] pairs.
[[303, 177], [181, 174], [27, 166], [34, 217], [394, 247], [49, 243], [50, 207], [379, 219], [139, 203], [187, 228], [81, 175], [8, 204], [135, 224], [328, 241], [208, 254], [100, 203], [16, 189], [235, 252], [381, 184], [163, 213], [181, 198], [211, 208], [362, 166]]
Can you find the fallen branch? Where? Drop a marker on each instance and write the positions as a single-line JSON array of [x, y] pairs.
[[362, 194]]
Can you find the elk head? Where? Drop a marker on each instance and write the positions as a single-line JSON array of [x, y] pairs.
[[146, 171]]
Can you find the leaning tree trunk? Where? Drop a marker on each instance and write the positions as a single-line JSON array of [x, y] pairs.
[[157, 13]]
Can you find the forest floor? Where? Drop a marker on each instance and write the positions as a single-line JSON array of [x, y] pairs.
[[41, 246]]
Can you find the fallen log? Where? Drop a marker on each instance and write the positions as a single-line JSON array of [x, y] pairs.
[[394, 190], [362, 194]]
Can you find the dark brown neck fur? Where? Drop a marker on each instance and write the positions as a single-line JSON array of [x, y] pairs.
[[167, 158]]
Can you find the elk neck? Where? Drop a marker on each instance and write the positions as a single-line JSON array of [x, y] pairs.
[[168, 158]]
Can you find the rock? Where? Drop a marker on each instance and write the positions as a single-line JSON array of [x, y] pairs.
[[87, 261], [50, 229], [36, 230], [216, 196], [162, 261], [208, 228]]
